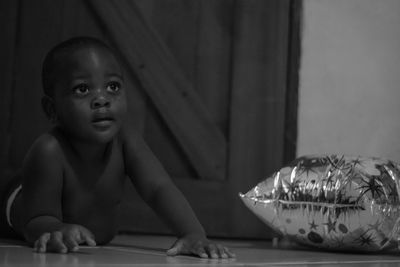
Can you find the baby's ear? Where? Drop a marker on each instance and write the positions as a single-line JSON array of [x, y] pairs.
[[49, 108]]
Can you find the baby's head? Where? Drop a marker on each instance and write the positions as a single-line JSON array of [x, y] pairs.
[[84, 89], [56, 59]]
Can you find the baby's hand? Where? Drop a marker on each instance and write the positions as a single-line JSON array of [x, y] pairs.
[[199, 246], [64, 240]]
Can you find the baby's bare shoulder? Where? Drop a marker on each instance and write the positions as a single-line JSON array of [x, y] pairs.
[[43, 162], [45, 146]]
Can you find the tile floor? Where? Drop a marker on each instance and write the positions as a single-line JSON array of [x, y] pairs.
[[143, 250]]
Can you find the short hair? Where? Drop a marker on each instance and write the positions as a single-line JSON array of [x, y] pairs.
[[49, 69]]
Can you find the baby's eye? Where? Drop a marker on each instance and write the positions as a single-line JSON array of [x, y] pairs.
[[113, 87], [81, 89]]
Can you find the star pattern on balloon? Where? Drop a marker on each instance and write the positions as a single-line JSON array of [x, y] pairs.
[[372, 185], [313, 226], [331, 225], [334, 202], [306, 166], [357, 162], [365, 239]]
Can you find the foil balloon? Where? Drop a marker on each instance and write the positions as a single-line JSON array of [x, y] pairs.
[[332, 202]]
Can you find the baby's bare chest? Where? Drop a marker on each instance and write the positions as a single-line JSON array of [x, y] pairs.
[[93, 189]]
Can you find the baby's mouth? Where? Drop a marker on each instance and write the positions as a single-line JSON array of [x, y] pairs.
[[102, 121]]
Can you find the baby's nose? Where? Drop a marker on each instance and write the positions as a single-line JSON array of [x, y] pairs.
[[99, 102]]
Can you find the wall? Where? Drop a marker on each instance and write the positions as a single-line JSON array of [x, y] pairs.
[[349, 78]]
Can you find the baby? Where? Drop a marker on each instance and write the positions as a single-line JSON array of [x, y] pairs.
[[73, 176]]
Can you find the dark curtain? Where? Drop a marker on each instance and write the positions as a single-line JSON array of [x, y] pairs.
[[208, 84]]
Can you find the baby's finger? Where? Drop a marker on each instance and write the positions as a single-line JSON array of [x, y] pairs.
[[87, 237], [41, 243], [176, 249], [200, 251], [212, 251], [71, 243], [56, 243], [229, 253], [221, 252]]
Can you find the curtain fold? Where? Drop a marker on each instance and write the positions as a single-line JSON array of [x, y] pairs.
[[213, 71], [257, 108], [163, 81]]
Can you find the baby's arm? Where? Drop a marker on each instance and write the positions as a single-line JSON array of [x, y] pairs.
[[157, 189], [42, 200]]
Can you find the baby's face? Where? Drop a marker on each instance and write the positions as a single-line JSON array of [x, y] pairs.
[[89, 95]]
